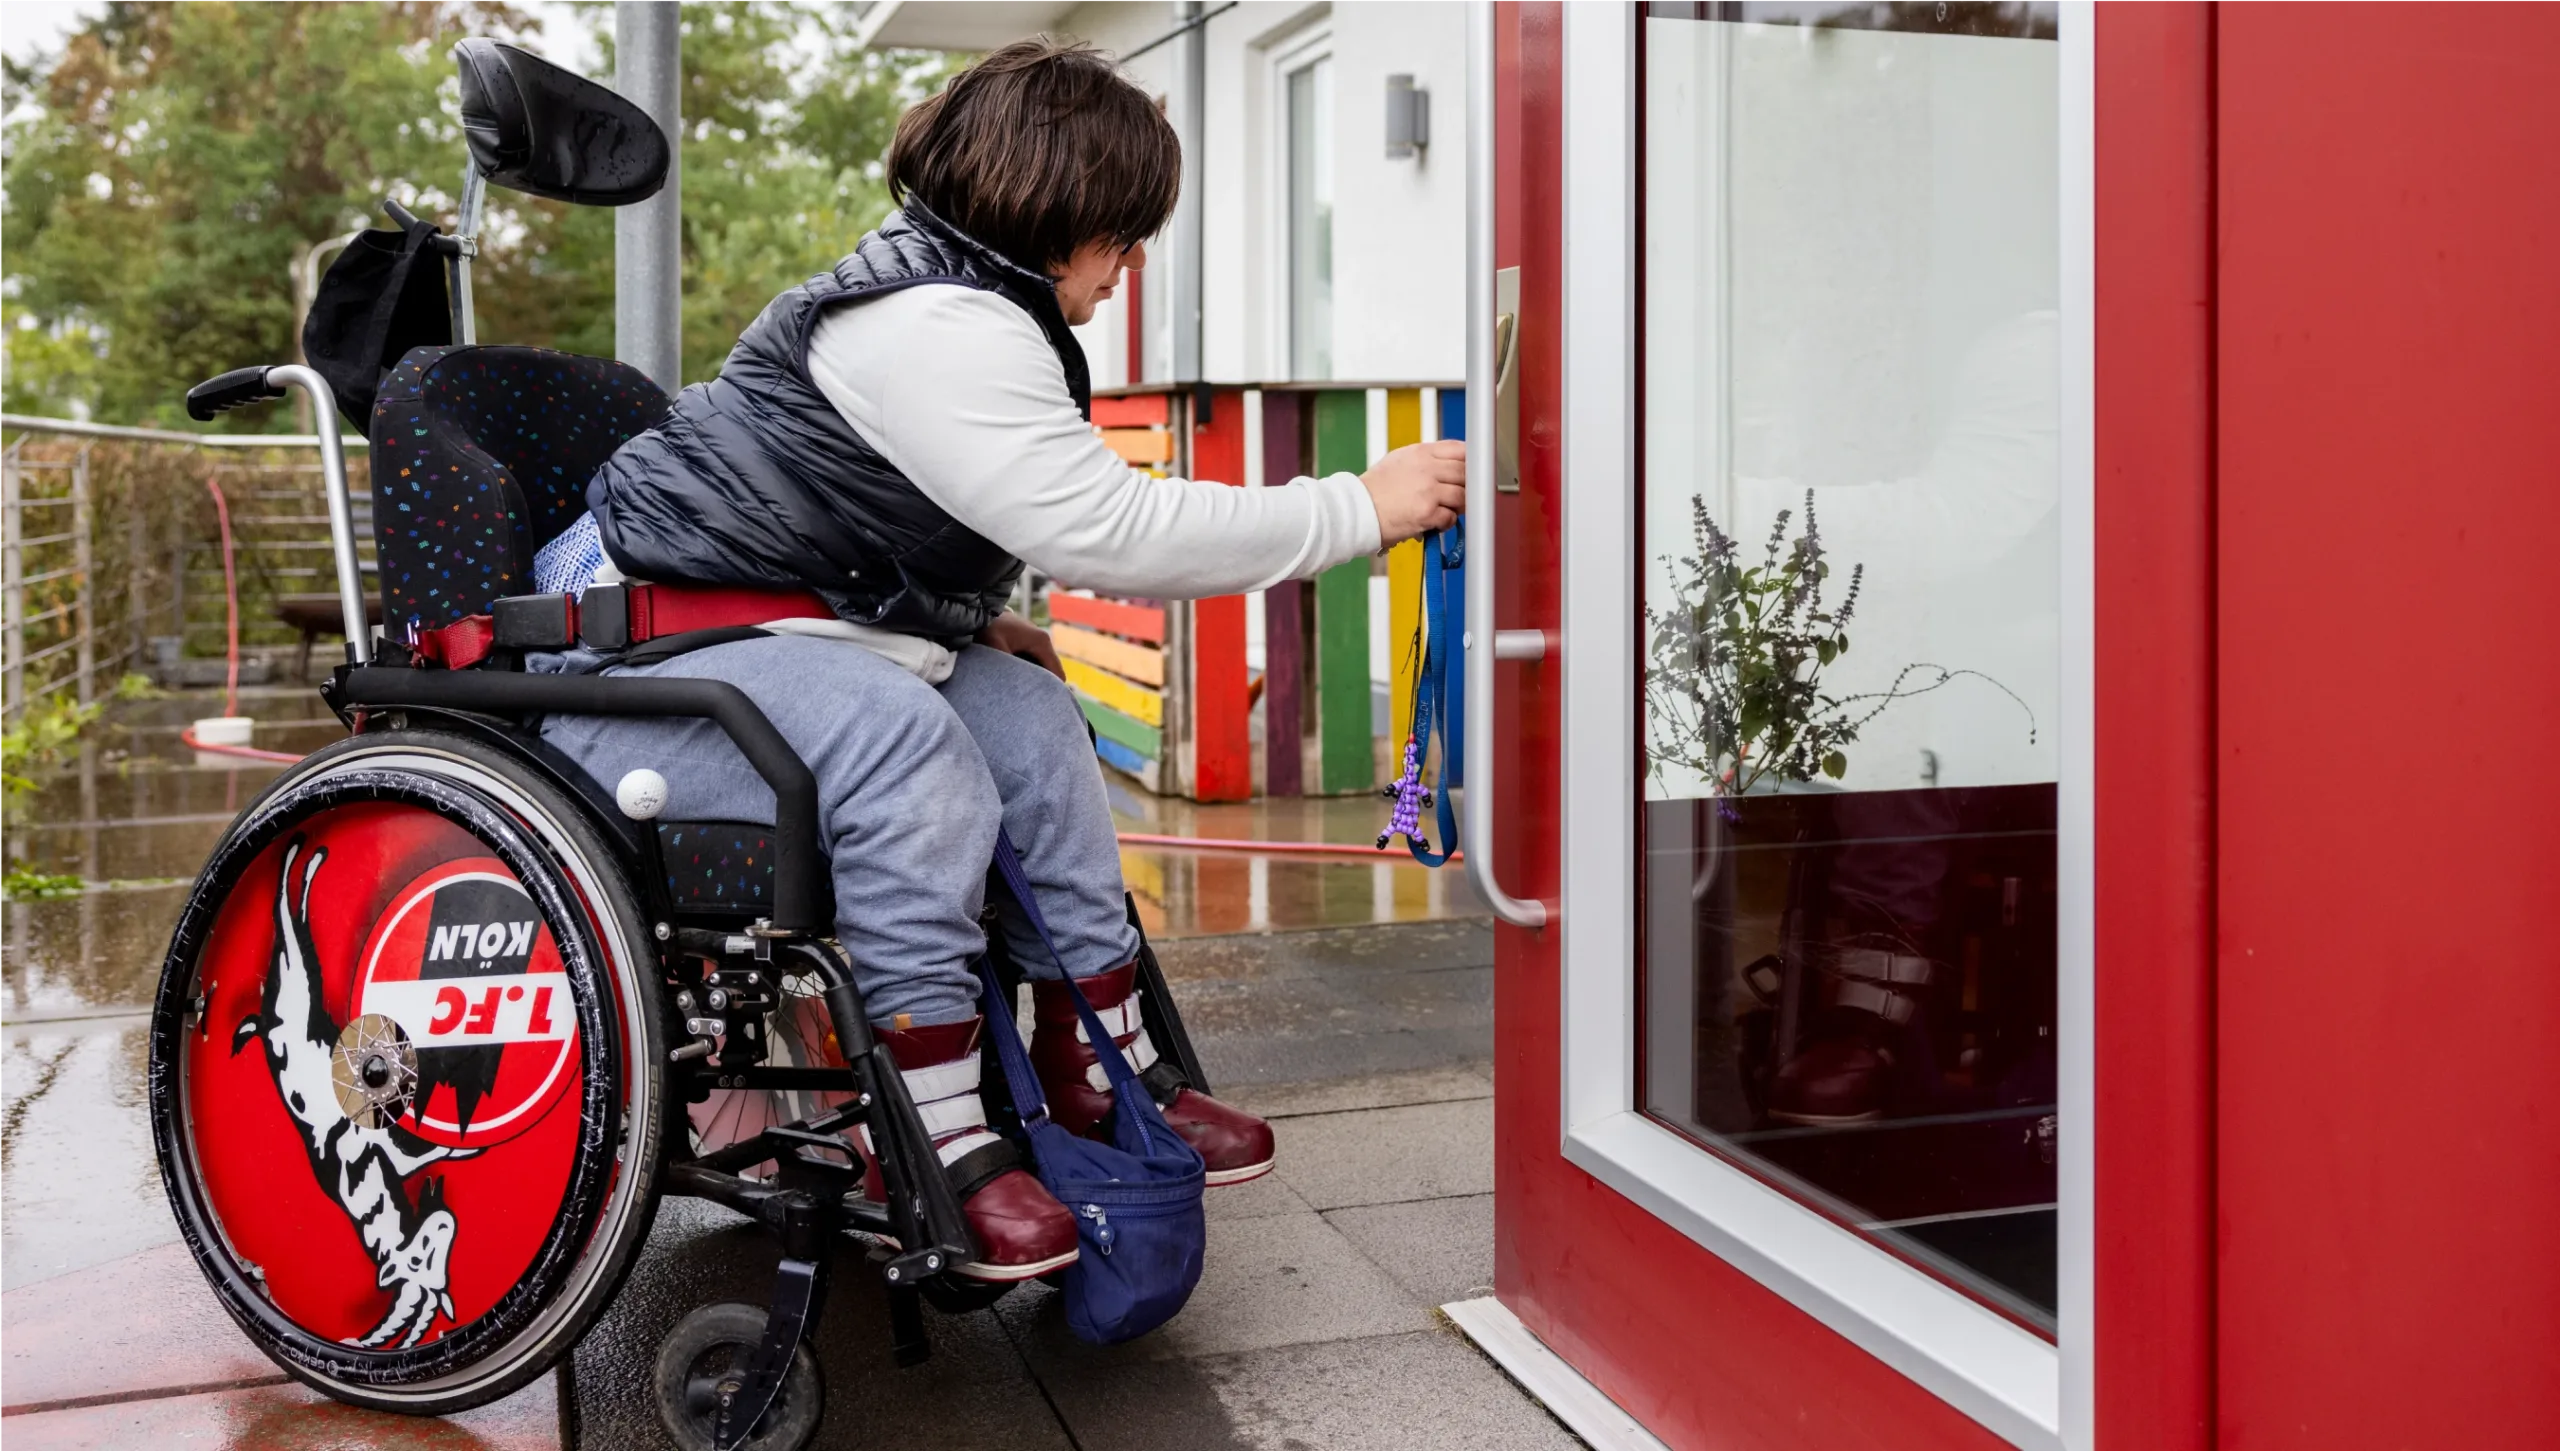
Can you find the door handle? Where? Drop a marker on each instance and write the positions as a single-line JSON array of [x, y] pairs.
[[1487, 377], [1506, 380]]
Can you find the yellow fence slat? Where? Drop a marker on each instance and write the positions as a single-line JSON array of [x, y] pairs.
[[1124, 696], [1138, 662], [1404, 590]]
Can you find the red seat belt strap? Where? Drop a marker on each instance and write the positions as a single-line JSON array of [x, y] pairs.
[[459, 646], [653, 611], [660, 609]]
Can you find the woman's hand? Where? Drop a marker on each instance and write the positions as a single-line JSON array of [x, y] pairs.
[[1015, 635], [1418, 488]]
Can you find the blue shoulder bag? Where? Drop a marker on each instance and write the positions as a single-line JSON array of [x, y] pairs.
[[1136, 1199]]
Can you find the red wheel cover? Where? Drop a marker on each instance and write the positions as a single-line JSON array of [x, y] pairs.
[[385, 1211]]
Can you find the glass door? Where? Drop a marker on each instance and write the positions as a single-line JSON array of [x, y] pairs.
[[1848, 475]]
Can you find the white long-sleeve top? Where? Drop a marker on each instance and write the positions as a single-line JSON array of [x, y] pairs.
[[959, 389]]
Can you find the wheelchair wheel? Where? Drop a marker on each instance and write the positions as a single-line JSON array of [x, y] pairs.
[[407, 1072], [704, 1361]]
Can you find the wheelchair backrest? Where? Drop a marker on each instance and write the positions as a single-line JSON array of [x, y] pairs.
[[480, 455]]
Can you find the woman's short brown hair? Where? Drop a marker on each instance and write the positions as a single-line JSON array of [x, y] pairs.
[[1037, 150]]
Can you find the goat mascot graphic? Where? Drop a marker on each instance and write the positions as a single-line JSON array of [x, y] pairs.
[[362, 1157]]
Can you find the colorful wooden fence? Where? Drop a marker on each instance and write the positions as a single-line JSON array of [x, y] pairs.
[[1166, 683]]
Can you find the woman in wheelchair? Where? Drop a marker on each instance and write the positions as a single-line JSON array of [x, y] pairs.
[[895, 439], [459, 997]]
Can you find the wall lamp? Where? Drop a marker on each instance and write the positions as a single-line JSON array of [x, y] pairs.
[[1408, 117]]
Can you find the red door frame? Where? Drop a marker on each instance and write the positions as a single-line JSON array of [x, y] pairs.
[[1690, 1346]]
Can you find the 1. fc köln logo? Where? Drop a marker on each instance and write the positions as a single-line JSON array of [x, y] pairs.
[[463, 964]]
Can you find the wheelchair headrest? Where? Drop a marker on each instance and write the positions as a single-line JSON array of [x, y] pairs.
[[536, 128], [480, 455]]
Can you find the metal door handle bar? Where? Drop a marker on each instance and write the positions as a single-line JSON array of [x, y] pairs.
[[1484, 644]]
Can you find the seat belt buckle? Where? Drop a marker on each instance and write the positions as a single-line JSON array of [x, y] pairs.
[[604, 617], [535, 622]]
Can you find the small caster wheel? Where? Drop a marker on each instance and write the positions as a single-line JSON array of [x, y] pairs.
[[704, 1360]]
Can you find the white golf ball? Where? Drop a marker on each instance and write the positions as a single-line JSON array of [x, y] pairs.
[[642, 794]]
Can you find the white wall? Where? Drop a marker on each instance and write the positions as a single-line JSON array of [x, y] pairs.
[[1399, 225]]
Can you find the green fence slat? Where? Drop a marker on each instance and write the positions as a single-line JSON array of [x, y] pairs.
[[1342, 612], [1127, 729]]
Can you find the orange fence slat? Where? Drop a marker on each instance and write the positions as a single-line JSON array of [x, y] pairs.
[[1138, 622], [1142, 446]]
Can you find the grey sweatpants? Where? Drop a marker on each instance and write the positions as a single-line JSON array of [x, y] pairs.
[[912, 781]]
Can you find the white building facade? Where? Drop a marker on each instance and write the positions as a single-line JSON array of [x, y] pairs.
[[1322, 256]]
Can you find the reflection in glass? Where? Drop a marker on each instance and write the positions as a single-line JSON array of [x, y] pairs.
[[1850, 420], [2037, 21], [1311, 220]]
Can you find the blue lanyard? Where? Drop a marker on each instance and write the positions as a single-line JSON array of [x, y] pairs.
[[1439, 701]]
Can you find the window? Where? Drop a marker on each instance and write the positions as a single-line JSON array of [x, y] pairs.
[[1850, 421], [1307, 164]]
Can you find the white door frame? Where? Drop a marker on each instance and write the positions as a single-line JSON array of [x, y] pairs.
[[2031, 1392]]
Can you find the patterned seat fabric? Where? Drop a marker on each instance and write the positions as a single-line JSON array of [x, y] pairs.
[[480, 455], [718, 866]]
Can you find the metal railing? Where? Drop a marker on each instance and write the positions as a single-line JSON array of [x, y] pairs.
[[113, 557]]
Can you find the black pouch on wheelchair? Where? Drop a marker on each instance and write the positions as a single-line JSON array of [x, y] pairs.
[[383, 296]]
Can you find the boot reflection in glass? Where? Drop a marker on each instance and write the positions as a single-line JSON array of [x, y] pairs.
[[1867, 1052]]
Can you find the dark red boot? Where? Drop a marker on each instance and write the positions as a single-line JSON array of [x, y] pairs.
[[1236, 1145], [1022, 1232]]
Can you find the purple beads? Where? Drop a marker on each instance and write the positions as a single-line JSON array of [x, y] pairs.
[[1410, 797]]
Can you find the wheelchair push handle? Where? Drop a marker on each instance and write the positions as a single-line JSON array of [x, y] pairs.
[[236, 389], [243, 386]]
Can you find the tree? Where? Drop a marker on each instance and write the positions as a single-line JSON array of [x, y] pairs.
[[167, 169]]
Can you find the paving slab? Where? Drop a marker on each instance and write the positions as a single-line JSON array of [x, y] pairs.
[[1389, 1155], [75, 1337], [1284, 1280], [1346, 1025], [1439, 1250], [1258, 1199], [1444, 1084], [1317, 952], [1419, 1391], [288, 1418]]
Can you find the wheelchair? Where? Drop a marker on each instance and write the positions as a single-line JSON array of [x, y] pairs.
[[443, 1018]]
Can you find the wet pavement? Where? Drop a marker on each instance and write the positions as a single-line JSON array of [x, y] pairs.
[[1347, 999]]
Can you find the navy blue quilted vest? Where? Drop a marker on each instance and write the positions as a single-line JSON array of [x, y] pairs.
[[756, 479]]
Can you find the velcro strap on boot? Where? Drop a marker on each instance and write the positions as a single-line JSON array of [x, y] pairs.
[[953, 1115], [947, 1100], [1884, 1002], [985, 1161], [942, 1080], [1122, 1018], [1164, 1081], [1141, 1053], [1872, 964]]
